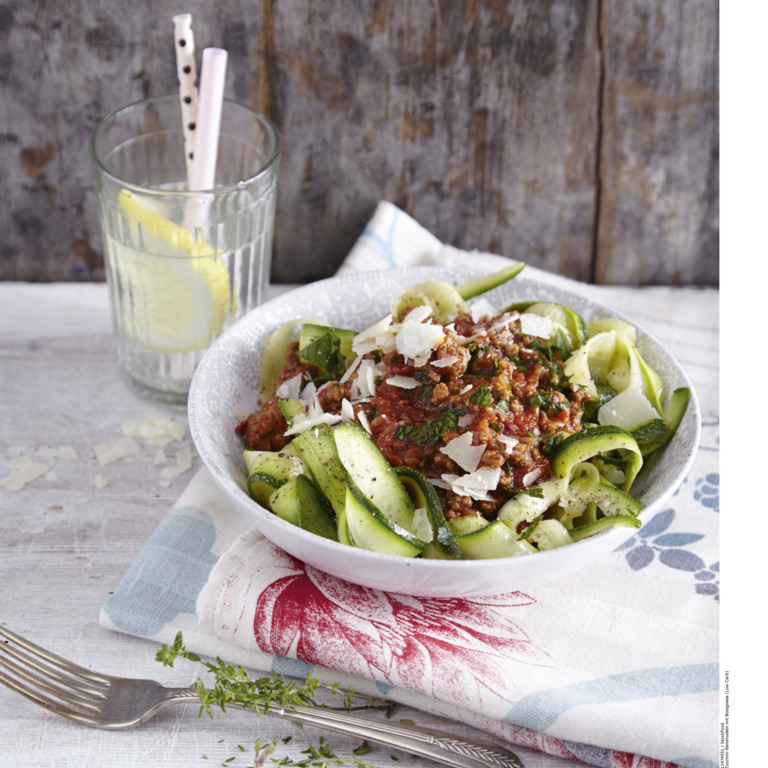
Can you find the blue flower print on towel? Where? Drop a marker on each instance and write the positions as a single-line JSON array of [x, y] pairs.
[[707, 491], [654, 540]]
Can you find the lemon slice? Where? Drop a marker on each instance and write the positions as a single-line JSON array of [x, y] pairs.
[[173, 304]]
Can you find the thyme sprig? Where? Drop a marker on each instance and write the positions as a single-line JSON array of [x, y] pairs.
[[232, 685]]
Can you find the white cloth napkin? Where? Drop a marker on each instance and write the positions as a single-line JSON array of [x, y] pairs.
[[615, 665]]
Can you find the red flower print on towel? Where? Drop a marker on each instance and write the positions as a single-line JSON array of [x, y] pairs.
[[462, 650]]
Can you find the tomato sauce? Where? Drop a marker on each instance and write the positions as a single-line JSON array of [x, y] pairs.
[[507, 388]]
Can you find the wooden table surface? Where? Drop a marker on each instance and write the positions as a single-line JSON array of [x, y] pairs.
[[68, 537]]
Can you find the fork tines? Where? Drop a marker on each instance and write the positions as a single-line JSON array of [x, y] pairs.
[[49, 680]]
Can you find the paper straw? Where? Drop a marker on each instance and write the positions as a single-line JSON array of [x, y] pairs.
[[187, 73], [212, 73]]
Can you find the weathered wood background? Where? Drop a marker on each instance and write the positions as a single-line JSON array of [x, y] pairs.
[[578, 135]]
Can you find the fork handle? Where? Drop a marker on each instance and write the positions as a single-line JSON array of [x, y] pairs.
[[435, 745]]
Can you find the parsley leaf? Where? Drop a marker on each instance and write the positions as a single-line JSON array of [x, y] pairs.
[[431, 430], [481, 396]]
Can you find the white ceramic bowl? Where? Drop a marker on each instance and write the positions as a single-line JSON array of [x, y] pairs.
[[225, 389]]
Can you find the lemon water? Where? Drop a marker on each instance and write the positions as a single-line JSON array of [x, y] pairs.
[[169, 306]]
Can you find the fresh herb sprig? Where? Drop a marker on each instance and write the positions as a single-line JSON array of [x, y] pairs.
[[232, 685]]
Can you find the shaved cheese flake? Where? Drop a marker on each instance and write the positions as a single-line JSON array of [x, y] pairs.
[[352, 368], [347, 411], [364, 386], [444, 362], [404, 382], [183, 464], [475, 484], [370, 339], [628, 409], [302, 423], [308, 394], [418, 314], [363, 419], [291, 389], [418, 340], [156, 430], [26, 471], [504, 321], [100, 482], [531, 476], [535, 325], [465, 420], [314, 409], [508, 442], [461, 450], [422, 527], [106, 453], [480, 309]]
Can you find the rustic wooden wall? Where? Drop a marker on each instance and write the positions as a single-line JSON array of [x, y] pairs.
[[578, 135]]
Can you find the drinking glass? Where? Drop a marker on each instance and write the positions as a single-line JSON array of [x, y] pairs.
[[181, 265]]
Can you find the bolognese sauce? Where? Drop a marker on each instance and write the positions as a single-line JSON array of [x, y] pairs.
[[485, 377]]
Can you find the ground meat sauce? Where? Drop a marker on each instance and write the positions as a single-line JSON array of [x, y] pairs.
[[501, 383]]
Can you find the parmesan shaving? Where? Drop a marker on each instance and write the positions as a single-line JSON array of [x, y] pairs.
[[352, 368], [480, 309], [418, 314], [157, 430], [418, 340], [461, 450], [422, 527], [628, 409], [535, 325], [364, 386], [309, 394], [303, 423], [363, 419], [529, 478], [26, 471], [372, 337], [347, 411], [404, 382], [475, 484], [291, 389], [183, 464], [444, 362], [106, 453], [508, 442]]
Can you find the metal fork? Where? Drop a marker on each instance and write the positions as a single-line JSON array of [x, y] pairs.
[[118, 703]]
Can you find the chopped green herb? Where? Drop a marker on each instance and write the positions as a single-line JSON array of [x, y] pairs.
[[529, 529], [431, 430], [536, 491], [481, 396], [543, 400], [549, 445]]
